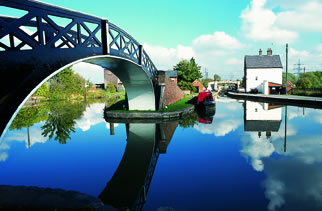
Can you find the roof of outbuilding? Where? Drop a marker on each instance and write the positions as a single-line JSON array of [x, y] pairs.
[[262, 125], [263, 61]]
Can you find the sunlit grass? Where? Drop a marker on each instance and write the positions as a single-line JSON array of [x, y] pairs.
[[185, 102]]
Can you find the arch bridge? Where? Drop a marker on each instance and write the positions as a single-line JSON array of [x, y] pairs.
[[46, 39], [214, 85]]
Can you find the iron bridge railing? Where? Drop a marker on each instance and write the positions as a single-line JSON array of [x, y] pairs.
[[41, 25]]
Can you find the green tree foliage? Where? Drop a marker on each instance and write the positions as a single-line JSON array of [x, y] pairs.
[[291, 77], [314, 77], [43, 91], [243, 82], [61, 121], [111, 87], [189, 121], [304, 83], [217, 77], [67, 83], [188, 71], [28, 116], [206, 81]]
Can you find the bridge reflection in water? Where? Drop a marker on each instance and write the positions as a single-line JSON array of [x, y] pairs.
[[130, 183]]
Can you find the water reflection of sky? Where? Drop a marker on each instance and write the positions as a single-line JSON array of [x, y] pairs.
[[78, 165], [216, 166]]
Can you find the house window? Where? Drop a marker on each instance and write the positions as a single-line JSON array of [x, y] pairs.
[[256, 78], [255, 109]]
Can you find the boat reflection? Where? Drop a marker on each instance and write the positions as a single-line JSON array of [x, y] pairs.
[[206, 114]]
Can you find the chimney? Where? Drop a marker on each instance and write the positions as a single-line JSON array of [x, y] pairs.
[[269, 52], [260, 51]]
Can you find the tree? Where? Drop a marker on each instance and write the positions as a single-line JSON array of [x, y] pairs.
[[67, 83], [206, 81], [304, 83], [28, 116], [217, 77], [61, 121], [314, 77], [111, 87], [43, 90], [188, 71], [290, 77]]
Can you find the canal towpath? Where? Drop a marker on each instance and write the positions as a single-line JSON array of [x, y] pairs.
[[283, 99]]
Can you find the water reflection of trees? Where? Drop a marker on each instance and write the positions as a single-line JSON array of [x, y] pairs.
[[59, 119], [28, 116], [189, 121]]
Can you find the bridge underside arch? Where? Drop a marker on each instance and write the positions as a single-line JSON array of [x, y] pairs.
[[36, 71], [138, 85]]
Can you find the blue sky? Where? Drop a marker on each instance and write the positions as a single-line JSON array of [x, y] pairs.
[[217, 33]]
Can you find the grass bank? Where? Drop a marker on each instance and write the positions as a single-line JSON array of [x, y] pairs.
[[307, 92], [185, 102]]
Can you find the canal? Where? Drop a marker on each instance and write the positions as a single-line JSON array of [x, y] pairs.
[[243, 155]]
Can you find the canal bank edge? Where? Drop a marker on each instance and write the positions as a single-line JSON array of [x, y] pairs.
[[150, 115], [313, 102]]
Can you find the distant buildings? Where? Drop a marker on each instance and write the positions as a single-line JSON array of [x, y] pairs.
[[263, 72], [173, 75], [109, 77], [198, 85]]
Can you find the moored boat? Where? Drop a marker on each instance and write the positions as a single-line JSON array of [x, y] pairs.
[[205, 98]]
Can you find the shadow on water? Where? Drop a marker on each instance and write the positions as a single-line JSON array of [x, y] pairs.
[[128, 187], [130, 183]]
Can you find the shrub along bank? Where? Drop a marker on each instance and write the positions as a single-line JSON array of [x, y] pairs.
[[68, 85]]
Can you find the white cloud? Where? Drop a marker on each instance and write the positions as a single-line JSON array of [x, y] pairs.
[[91, 72], [218, 39], [3, 156], [92, 116], [304, 17], [208, 50], [35, 134], [259, 148], [274, 191], [307, 150], [297, 53], [163, 58], [293, 183], [185, 52], [233, 107], [256, 148], [319, 48], [108, 125], [234, 61], [259, 24], [218, 127]]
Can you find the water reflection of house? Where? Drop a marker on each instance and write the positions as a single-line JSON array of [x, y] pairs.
[[262, 117]]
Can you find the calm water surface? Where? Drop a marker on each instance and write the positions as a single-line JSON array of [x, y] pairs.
[[247, 156]]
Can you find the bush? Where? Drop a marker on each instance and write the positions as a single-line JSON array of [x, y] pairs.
[[43, 90], [111, 87]]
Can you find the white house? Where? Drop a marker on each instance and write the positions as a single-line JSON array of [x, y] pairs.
[[263, 72]]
